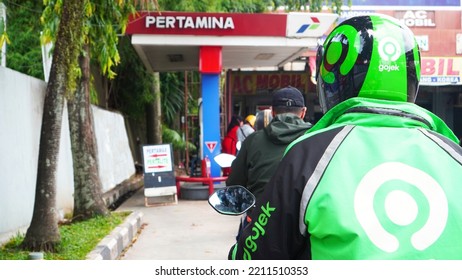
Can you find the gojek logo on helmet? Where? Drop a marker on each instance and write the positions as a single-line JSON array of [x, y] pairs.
[[389, 51]]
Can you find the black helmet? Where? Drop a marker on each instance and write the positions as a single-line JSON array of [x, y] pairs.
[[371, 56]]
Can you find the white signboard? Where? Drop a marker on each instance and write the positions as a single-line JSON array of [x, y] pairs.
[[157, 158], [422, 40], [459, 43], [305, 25], [159, 175]]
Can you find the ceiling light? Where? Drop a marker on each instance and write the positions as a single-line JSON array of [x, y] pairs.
[[264, 56], [175, 57]]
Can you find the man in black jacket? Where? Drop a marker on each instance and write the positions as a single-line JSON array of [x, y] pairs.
[[262, 150]]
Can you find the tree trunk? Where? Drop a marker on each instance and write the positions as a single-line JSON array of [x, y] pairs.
[[154, 114], [88, 196], [150, 132], [43, 232], [157, 110]]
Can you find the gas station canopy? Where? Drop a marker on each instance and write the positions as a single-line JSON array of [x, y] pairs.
[[211, 42], [171, 41]]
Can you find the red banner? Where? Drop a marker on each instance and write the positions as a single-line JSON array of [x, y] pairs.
[[242, 83], [213, 24]]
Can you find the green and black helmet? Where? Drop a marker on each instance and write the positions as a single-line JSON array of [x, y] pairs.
[[372, 56]]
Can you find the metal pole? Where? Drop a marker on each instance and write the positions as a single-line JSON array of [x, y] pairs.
[[186, 127], [3, 52]]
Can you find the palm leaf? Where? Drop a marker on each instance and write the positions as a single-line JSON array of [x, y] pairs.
[[172, 136]]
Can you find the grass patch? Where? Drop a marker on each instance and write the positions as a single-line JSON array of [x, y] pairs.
[[77, 239]]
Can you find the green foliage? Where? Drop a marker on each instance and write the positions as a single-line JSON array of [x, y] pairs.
[[77, 239], [131, 89], [103, 21], [178, 143], [334, 5], [245, 6], [313, 5], [172, 86], [106, 21], [24, 53], [73, 36], [188, 5], [233, 6]]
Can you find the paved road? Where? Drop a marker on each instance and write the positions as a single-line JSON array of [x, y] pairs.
[[188, 230]]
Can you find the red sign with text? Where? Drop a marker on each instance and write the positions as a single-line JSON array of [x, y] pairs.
[[253, 82], [213, 24]]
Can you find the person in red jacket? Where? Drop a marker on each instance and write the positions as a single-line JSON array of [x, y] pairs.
[[228, 145]]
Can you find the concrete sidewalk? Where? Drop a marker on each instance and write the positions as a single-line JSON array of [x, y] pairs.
[[188, 230]]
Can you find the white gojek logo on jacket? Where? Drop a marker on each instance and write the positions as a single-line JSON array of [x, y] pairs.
[[400, 207]]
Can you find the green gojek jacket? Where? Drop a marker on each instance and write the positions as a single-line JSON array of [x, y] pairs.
[[371, 180]]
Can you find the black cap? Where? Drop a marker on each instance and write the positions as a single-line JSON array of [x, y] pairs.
[[288, 97]]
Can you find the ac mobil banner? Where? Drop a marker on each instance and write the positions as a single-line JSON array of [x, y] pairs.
[[253, 83]]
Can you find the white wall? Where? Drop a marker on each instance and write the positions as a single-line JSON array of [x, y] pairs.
[[21, 107], [115, 158]]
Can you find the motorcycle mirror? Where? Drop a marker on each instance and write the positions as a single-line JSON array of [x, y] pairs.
[[232, 200]]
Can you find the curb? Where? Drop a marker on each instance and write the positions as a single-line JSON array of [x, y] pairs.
[[120, 191], [118, 240]]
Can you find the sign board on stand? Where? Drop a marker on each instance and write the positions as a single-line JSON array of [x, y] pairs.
[[159, 173]]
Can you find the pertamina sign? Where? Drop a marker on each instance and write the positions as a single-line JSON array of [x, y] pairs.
[[184, 22], [293, 25], [208, 24]]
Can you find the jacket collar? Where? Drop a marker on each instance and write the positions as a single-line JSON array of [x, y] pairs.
[[375, 112]]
